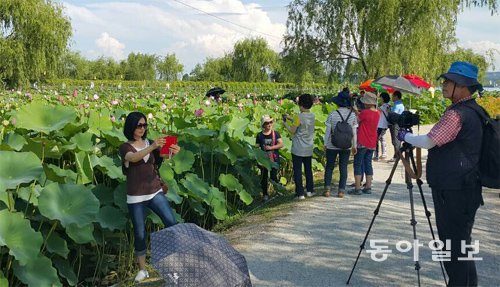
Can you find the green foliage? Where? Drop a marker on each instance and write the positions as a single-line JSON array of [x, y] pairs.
[[140, 67], [33, 36], [169, 68], [251, 58]]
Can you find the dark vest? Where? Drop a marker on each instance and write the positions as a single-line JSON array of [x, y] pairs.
[[455, 164]]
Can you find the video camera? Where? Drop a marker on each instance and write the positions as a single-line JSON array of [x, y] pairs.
[[405, 120]]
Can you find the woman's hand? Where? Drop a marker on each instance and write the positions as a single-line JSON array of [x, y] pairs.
[[354, 150], [175, 149], [159, 142]]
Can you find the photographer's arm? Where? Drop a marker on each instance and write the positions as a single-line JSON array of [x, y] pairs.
[[291, 128], [422, 141]]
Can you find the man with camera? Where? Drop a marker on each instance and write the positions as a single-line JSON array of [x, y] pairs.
[[454, 145]]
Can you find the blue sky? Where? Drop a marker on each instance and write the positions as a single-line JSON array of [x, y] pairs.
[[117, 28]]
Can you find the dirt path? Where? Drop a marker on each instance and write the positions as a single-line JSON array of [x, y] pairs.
[[315, 243]]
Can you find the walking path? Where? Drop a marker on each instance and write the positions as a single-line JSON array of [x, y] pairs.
[[317, 241]]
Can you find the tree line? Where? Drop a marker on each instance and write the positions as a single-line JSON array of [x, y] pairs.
[[326, 41]]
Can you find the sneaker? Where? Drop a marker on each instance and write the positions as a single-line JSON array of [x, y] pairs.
[[367, 190], [310, 194], [300, 197], [355, 191], [266, 197], [141, 275], [327, 194], [340, 194], [383, 156]]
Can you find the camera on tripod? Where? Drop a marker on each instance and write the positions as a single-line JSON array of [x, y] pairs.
[[405, 120]]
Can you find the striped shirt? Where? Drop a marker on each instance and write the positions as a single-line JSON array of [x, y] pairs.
[[331, 122]]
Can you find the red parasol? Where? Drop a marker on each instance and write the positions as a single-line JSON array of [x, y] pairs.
[[417, 81]]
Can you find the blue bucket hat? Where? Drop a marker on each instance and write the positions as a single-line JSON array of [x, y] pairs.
[[462, 73], [342, 99]]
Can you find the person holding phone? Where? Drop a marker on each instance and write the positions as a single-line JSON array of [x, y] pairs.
[[269, 141], [144, 185]]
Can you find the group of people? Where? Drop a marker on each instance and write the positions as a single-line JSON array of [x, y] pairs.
[[451, 174]]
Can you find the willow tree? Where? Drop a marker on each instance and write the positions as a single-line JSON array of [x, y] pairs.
[[370, 38], [33, 36], [252, 58]]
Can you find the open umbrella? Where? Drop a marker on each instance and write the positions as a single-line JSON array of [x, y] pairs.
[[215, 92], [188, 255], [417, 81], [399, 83], [370, 86]]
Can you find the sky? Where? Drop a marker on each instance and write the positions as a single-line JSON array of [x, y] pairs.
[[194, 30]]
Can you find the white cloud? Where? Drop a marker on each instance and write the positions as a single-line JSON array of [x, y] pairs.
[[110, 47], [487, 49], [161, 27]]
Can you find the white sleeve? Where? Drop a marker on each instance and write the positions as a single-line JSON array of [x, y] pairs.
[[422, 141]]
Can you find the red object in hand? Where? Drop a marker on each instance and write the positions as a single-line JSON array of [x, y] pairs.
[[169, 141]]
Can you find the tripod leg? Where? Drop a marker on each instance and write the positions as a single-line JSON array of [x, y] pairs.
[[428, 215], [375, 213], [409, 185]]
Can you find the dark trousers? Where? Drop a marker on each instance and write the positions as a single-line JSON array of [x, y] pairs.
[[264, 178], [297, 173], [455, 211], [394, 139]]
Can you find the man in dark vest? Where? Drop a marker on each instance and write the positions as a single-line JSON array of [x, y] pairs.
[[452, 169]]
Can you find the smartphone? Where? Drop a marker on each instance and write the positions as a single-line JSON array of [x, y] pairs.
[[169, 141]]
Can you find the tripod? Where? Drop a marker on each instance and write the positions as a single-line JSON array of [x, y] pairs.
[[412, 170]]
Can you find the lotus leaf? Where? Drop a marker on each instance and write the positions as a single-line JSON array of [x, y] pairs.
[[199, 133], [231, 183], [66, 271], [38, 272], [68, 203], [81, 235], [57, 245], [84, 167], [40, 117], [166, 172], [3, 281], [6, 199], [173, 191], [120, 196], [104, 194], [111, 218], [196, 186], [57, 174], [218, 203], [107, 165], [83, 141], [30, 193], [99, 121], [16, 233], [237, 126], [183, 161], [44, 148], [114, 136], [262, 158], [17, 168], [13, 141]]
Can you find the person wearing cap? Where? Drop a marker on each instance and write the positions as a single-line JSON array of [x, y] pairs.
[[269, 141], [454, 145], [345, 112], [368, 120], [302, 129]]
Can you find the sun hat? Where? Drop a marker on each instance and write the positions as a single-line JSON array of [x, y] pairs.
[[462, 73], [265, 119], [342, 99], [369, 99]]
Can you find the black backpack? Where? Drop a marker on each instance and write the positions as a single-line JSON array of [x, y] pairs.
[[342, 134], [489, 158]]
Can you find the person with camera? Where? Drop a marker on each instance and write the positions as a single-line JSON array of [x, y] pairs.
[[368, 120], [144, 186], [269, 141], [384, 109], [454, 145], [343, 113], [302, 129], [397, 108]]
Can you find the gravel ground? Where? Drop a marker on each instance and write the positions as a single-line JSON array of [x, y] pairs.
[[317, 241]]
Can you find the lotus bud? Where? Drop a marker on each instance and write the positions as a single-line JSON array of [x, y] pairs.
[[163, 106]]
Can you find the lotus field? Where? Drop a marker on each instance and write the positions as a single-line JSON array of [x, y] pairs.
[[63, 210]]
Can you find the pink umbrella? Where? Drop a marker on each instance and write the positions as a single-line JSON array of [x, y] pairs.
[[417, 81]]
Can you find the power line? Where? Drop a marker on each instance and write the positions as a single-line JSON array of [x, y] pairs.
[[225, 20]]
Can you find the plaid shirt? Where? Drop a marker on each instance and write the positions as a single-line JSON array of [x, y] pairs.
[[448, 127]]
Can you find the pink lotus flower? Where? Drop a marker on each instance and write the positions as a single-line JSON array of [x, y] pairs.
[[113, 119], [96, 97], [114, 102], [75, 93], [199, 113], [163, 106]]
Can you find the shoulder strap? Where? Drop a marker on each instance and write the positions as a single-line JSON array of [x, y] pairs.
[[341, 115], [350, 112], [274, 137]]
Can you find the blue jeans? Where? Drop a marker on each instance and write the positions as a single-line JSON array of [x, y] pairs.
[[363, 162], [297, 173], [159, 205], [331, 158]]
